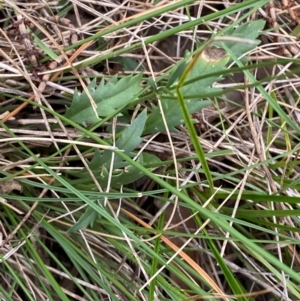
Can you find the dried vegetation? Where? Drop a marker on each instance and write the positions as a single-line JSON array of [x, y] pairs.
[[50, 182]]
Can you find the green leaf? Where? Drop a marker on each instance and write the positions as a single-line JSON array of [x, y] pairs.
[[250, 30], [213, 59], [172, 114], [177, 73], [128, 175], [80, 110], [122, 173], [86, 219], [131, 136], [119, 177], [128, 141], [100, 160], [151, 159], [109, 97]]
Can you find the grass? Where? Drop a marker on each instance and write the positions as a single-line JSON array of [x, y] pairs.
[[139, 165]]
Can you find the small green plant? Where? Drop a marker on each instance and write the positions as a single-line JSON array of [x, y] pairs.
[[128, 189], [190, 83]]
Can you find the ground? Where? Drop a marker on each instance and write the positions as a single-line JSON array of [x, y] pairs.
[[149, 150]]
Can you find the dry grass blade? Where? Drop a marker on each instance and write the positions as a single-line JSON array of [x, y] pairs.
[[178, 251], [118, 204]]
